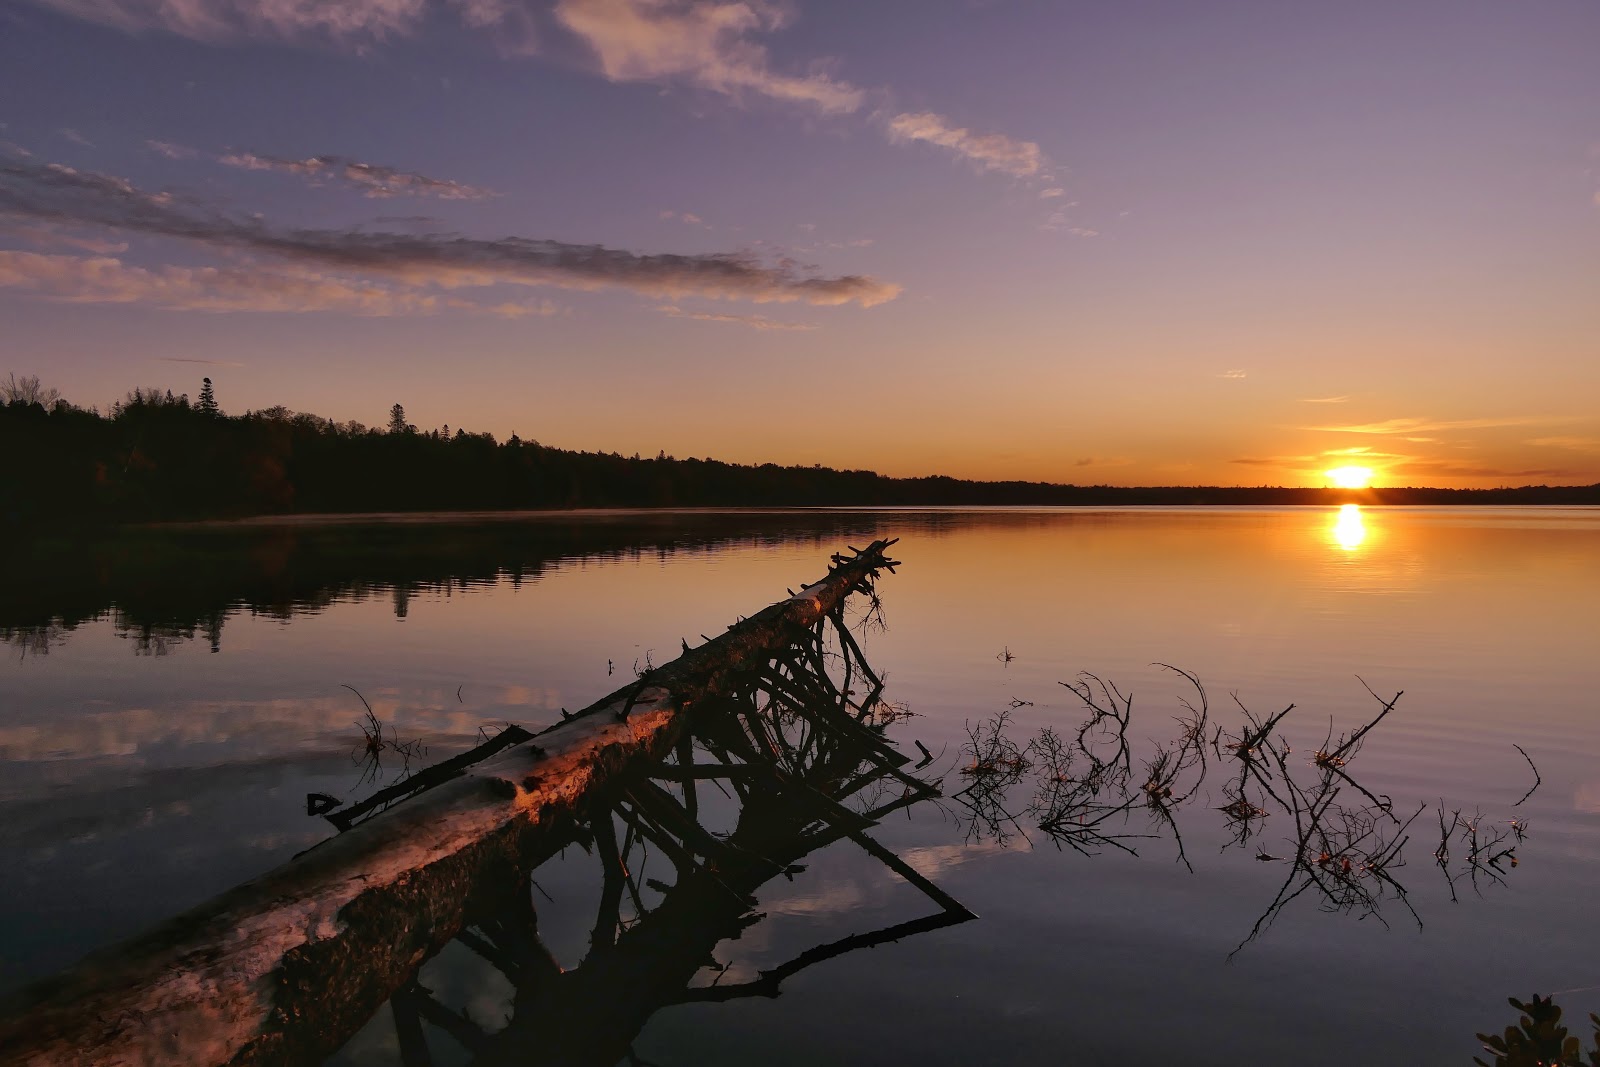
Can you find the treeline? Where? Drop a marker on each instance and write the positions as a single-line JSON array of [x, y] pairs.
[[157, 457]]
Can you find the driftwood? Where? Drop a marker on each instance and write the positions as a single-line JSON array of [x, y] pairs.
[[801, 771], [280, 969]]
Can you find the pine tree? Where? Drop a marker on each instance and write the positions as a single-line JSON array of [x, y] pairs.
[[208, 399], [397, 419]]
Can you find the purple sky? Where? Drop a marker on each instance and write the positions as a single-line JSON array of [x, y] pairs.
[[1177, 242]]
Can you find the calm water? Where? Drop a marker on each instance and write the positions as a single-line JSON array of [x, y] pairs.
[[168, 701]]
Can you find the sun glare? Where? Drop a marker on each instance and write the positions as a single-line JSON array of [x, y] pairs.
[[1348, 530], [1350, 477]]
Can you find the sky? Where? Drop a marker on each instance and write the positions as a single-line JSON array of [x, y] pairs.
[[1237, 243]]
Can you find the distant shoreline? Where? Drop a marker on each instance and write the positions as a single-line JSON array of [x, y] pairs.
[[160, 460], [447, 516]]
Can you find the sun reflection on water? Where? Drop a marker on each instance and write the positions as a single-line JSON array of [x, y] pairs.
[[1348, 531]]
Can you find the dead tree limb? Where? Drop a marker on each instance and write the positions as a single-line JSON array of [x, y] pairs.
[[236, 979]]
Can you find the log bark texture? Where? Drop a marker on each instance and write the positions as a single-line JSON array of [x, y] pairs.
[[284, 968]]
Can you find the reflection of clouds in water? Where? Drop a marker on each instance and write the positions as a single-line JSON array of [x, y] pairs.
[[860, 886], [259, 727], [1587, 798], [851, 884], [828, 900], [933, 860], [118, 798]]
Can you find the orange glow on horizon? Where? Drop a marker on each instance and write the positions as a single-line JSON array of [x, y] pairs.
[[1350, 477]]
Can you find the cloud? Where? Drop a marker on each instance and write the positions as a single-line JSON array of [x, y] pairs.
[[75, 137], [1446, 469], [1300, 463], [1416, 425], [207, 362], [703, 43], [371, 179], [1363, 453], [54, 193], [756, 322], [1234, 374], [1324, 399], [218, 21], [105, 280], [1575, 444], [170, 150], [512, 310], [991, 151], [685, 217], [45, 235], [1061, 219], [1052, 193]]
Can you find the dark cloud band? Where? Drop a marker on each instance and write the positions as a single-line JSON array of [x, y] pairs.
[[55, 193]]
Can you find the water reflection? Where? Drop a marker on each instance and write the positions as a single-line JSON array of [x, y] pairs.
[[1485, 616], [741, 759], [1348, 530], [785, 767], [165, 587]]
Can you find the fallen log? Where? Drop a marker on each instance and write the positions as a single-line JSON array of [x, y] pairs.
[[283, 968]]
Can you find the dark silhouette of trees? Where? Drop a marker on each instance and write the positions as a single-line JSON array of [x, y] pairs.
[[208, 399], [28, 390], [153, 457]]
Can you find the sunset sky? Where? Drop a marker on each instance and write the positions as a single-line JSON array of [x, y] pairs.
[[1128, 243]]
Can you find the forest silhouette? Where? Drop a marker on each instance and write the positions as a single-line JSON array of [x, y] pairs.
[[158, 457]]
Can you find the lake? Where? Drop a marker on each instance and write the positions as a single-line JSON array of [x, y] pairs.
[[170, 698]]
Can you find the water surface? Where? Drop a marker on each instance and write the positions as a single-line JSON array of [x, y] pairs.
[[169, 700]]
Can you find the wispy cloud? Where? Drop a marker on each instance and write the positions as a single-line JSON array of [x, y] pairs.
[[1428, 468], [1051, 193], [1422, 425], [75, 137], [1061, 220], [686, 217], [1362, 452], [711, 45], [279, 289], [54, 193], [105, 280], [171, 150], [207, 362], [755, 322], [218, 21], [1233, 374], [991, 151], [376, 181], [371, 179], [1324, 399], [703, 43], [46, 235], [1575, 444], [1302, 464]]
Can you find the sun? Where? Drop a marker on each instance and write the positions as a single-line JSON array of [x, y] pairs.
[[1350, 477]]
